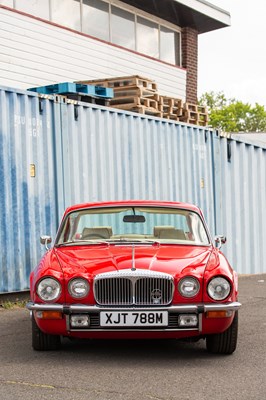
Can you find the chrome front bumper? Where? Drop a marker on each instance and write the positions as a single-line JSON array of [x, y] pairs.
[[82, 308], [95, 310]]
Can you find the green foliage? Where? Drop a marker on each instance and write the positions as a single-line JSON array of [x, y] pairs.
[[231, 115], [7, 305]]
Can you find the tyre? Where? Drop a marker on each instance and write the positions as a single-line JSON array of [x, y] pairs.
[[224, 343], [43, 341]]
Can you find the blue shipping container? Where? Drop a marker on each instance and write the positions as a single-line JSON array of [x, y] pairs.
[[53, 154]]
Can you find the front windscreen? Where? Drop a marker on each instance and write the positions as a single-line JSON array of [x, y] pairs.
[[116, 224]]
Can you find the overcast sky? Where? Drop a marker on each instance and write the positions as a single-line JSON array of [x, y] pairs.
[[233, 59]]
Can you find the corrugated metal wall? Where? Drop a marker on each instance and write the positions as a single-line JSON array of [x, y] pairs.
[[88, 153], [241, 199], [116, 155], [28, 204]]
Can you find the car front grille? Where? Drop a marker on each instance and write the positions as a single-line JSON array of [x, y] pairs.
[[129, 287]]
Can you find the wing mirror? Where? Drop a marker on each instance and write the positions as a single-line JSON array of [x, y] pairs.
[[45, 240], [219, 240]]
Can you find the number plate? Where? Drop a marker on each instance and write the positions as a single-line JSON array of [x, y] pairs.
[[112, 319]]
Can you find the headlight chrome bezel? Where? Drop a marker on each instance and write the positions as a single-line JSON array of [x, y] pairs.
[[77, 280], [221, 281], [46, 282], [188, 281]]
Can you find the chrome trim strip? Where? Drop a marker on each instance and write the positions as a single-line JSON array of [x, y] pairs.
[[82, 308], [222, 307]]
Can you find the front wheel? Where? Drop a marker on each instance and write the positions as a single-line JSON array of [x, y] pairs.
[[43, 341], [224, 343]]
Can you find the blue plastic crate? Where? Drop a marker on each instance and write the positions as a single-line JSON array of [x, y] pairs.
[[101, 91], [70, 87]]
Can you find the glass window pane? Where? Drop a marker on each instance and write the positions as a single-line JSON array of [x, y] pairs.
[[95, 20], [39, 8], [66, 13], [123, 28], [169, 46], [147, 37]]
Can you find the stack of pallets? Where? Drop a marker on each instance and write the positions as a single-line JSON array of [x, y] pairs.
[[78, 92], [194, 114], [138, 94], [171, 108], [132, 93]]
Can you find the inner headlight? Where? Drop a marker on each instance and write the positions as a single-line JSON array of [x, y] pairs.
[[189, 287], [48, 289], [78, 288], [219, 288]]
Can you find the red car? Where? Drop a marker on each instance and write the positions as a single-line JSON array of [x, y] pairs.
[[134, 270]]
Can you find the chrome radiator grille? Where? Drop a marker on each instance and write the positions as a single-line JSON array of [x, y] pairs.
[[133, 288]]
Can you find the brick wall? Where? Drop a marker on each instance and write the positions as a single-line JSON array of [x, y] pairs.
[[190, 62]]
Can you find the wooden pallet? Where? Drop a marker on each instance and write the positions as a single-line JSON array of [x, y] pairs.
[[170, 116], [170, 107], [140, 109], [148, 111], [134, 91], [128, 102], [123, 81]]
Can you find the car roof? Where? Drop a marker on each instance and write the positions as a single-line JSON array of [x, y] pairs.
[[137, 203]]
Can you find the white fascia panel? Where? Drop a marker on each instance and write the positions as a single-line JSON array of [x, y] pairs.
[[208, 9]]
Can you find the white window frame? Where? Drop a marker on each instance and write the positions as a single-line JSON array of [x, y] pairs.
[[137, 13]]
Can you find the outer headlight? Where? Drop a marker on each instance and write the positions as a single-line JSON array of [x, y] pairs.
[[48, 289], [78, 288], [189, 286], [219, 288]]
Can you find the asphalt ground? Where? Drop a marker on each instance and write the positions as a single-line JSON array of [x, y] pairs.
[[136, 370]]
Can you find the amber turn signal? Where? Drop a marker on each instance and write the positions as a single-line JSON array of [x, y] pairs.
[[49, 314], [219, 314]]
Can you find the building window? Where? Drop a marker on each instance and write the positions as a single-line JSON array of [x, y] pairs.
[[66, 13], [132, 29], [39, 8], [95, 19], [147, 37], [169, 45], [123, 28]]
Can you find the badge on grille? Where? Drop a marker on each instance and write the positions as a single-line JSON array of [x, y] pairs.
[[156, 296]]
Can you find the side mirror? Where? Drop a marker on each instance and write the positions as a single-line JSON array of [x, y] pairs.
[[45, 240], [219, 240]]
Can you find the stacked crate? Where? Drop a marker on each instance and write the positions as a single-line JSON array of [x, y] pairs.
[[132, 93], [194, 114], [138, 94], [77, 92], [171, 108]]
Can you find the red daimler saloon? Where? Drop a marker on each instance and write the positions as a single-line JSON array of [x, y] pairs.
[[134, 270]]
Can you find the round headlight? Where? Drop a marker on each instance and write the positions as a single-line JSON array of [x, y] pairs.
[[48, 289], [189, 287], [219, 288], [78, 288]]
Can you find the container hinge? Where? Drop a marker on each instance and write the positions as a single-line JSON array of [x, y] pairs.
[[76, 113], [229, 150], [41, 106]]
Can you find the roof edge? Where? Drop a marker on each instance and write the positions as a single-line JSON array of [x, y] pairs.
[[208, 9]]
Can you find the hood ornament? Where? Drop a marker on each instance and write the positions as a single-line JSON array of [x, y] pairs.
[[133, 268]]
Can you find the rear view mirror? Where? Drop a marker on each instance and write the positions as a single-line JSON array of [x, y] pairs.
[[45, 240], [134, 218]]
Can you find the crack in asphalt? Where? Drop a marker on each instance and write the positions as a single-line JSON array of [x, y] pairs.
[[73, 389]]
